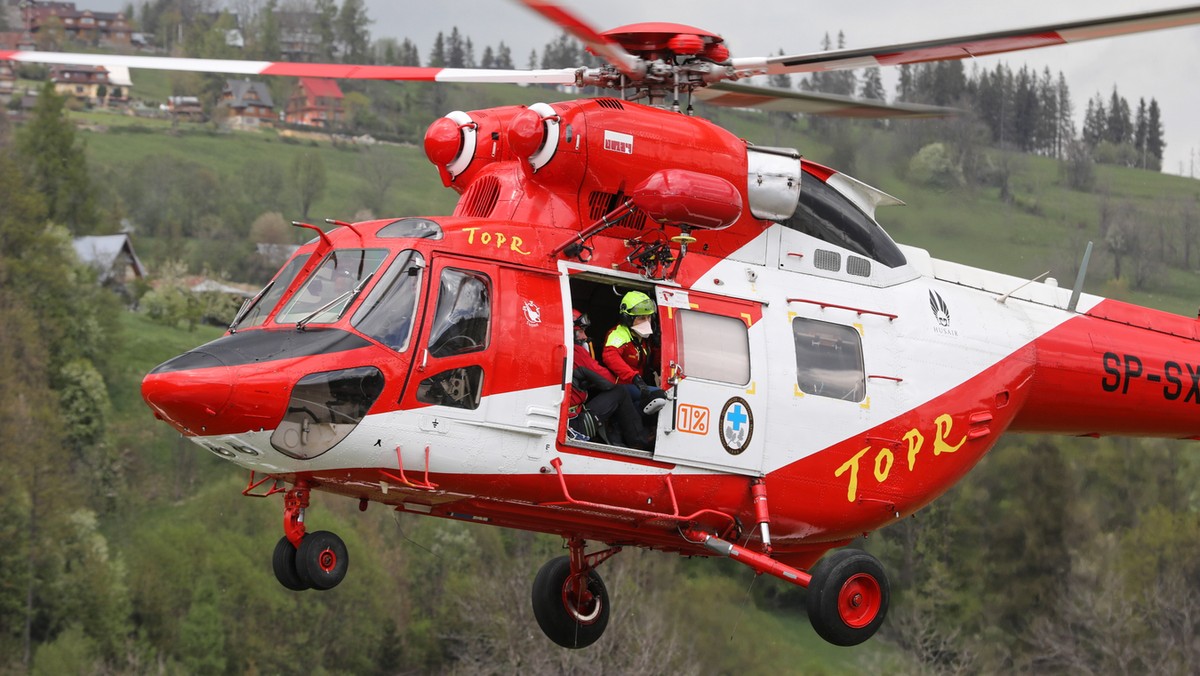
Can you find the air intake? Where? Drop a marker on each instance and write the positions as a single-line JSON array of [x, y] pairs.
[[480, 199], [827, 260], [859, 267]]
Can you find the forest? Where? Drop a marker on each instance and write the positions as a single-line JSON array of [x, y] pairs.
[[130, 551]]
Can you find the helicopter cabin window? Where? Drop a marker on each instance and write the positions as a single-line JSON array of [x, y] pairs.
[[387, 313], [457, 388], [266, 300], [828, 215], [332, 287], [463, 314], [829, 360], [414, 228], [714, 347]]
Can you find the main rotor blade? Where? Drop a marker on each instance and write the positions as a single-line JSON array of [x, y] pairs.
[[325, 70], [600, 45], [949, 49], [771, 99]]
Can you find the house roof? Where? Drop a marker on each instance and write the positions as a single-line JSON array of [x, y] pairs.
[[102, 252], [317, 86], [240, 88]]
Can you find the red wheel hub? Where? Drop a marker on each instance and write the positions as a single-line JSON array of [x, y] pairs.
[[327, 560], [580, 602], [859, 600]]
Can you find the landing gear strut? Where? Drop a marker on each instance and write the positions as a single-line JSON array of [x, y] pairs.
[[848, 591], [570, 601], [307, 560]]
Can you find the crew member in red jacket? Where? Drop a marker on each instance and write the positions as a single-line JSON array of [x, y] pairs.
[[608, 402]]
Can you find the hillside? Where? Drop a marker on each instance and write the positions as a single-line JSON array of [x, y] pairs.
[[1041, 225]]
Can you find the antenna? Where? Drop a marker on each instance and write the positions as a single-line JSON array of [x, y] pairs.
[[1087, 256]]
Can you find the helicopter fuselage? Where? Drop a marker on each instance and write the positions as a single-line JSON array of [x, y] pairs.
[[812, 365]]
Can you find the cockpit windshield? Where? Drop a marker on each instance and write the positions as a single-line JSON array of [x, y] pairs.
[[387, 313], [332, 287], [261, 305]]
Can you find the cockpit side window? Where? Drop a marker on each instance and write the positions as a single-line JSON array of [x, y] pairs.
[[269, 297], [828, 215], [463, 314], [332, 286], [387, 313]]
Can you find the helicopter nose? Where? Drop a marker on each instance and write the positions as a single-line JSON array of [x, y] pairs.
[[189, 391]]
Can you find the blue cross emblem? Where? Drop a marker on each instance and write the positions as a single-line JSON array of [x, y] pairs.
[[736, 417]]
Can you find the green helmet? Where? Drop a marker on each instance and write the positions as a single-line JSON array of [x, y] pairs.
[[636, 304]]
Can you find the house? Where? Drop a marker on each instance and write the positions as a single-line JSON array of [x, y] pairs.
[[316, 102], [186, 108], [249, 103], [112, 257], [93, 28], [299, 37], [89, 83]]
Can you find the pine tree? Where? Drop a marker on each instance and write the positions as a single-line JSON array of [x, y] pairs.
[[409, 54], [437, 55], [56, 164], [1095, 122], [781, 80], [1140, 130], [267, 42], [1120, 125], [489, 59], [326, 28], [504, 57], [1066, 116], [872, 86], [456, 55], [1155, 142], [352, 32]]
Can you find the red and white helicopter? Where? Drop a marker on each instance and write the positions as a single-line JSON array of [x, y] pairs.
[[426, 363]]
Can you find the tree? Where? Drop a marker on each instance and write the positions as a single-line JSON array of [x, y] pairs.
[[1095, 122], [352, 33], [378, 170], [308, 180], [504, 57], [780, 80], [1120, 124], [437, 53], [56, 165], [1140, 129], [456, 51], [266, 43], [872, 85], [326, 26], [1155, 141]]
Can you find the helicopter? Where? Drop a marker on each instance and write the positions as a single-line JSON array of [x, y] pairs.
[[427, 363]]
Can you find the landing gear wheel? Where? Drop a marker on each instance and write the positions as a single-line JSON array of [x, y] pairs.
[[848, 597], [322, 559], [571, 614], [284, 563]]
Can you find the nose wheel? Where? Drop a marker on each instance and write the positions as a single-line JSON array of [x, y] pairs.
[[319, 562]]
